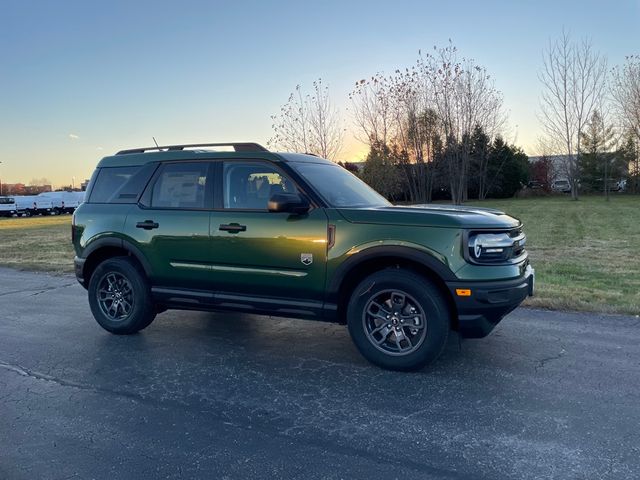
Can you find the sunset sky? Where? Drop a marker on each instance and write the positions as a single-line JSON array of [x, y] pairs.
[[81, 79]]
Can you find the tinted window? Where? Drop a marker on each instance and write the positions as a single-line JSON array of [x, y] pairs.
[[109, 182], [249, 185], [181, 185], [339, 187], [132, 188]]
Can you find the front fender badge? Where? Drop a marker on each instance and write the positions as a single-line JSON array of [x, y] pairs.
[[306, 258]]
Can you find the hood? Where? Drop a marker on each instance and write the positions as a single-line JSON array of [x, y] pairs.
[[453, 216]]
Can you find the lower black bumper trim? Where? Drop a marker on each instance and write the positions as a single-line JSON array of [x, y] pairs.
[[489, 302], [78, 267]]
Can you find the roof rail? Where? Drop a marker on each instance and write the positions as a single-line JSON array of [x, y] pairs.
[[238, 147]]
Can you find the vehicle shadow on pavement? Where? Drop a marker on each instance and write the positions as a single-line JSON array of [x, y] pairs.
[[268, 340]]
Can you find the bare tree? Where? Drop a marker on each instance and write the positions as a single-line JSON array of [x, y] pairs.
[[625, 89], [415, 131], [371, 109], [309, 123], [573, 79]]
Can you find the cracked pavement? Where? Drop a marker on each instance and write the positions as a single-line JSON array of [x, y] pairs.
[[202, 395]]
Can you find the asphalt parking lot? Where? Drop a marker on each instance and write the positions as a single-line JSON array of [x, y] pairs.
[[201, 395]]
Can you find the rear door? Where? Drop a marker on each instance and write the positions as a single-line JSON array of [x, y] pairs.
[[261, 254], [170, 224]]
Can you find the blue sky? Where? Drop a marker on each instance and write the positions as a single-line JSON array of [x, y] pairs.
[[114, 73]]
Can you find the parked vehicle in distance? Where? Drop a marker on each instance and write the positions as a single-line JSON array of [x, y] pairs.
[[291, 235], [612, 184], [622, 185], [30, 205], [562, 186], [7, 207], [63, 202], [536, 185]]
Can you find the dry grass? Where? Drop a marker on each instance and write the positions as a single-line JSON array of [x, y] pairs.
[[586, 253], [37, 243]]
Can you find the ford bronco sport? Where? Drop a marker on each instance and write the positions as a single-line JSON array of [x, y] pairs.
[[292, 235]]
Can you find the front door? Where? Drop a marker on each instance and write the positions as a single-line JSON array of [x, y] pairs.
[[273, 256]]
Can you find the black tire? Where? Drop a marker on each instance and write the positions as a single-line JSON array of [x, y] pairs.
[[424, 305], [119, 296]]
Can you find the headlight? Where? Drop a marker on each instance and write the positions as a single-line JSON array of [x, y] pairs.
[[496, 247]]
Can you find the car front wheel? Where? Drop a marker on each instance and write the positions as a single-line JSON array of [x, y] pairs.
[[119, 296], [398, 319]]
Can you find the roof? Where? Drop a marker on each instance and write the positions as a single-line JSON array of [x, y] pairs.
[[252, 151]]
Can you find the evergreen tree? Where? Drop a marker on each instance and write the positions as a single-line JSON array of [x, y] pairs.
[[508, 169], [596, 158], [380, 170], [480, 147]]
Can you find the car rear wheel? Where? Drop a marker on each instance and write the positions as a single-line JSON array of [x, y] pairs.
[[398, 320], [119, 296]]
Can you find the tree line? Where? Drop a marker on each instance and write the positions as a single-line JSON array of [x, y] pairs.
[[436, 129]]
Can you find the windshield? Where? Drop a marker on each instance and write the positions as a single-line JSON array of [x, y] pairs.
[[340, 188]]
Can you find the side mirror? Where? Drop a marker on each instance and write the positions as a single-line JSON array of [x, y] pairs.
[[288, 202]]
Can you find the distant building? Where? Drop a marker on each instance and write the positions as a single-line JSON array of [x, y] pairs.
[[13, 189], [22, 189]]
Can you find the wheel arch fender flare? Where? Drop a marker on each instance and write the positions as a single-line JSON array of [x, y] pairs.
[[402, 252], [119, 243]]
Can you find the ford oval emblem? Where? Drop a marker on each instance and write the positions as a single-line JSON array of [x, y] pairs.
[[477, 248]]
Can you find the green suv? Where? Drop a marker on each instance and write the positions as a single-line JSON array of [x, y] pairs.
[[291, 235]]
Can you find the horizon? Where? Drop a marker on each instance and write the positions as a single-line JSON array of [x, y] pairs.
[[82, 81]]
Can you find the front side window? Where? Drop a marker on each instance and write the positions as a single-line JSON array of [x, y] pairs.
[[181, 185], [250, 185]]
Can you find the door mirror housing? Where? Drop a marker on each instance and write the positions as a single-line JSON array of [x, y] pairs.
[[289, 203]]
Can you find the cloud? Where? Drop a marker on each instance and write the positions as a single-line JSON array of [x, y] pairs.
[[73, 136]]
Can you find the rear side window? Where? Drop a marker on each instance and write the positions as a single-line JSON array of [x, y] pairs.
[[109, 182], [181, 185]]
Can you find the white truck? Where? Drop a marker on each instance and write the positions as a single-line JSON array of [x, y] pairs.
[[29, 205], [63, 202], [7, 207]]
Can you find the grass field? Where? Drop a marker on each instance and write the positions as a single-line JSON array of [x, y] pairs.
[[586, 253], [37, 243]]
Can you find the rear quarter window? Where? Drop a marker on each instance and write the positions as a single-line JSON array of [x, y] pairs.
[[109, 183]]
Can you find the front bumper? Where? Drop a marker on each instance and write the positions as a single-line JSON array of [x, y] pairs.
[[489, 302]]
